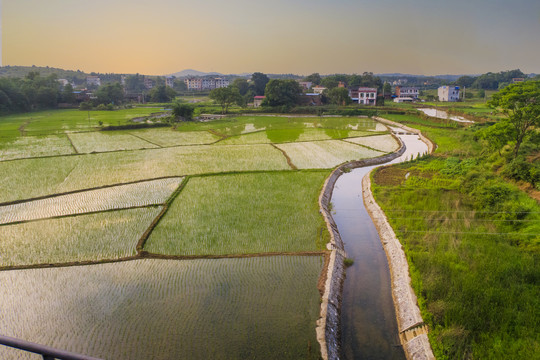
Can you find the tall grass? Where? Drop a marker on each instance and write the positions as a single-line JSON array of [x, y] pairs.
[[473, 245]]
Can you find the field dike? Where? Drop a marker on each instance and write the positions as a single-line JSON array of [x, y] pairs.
[[328, 325], [412, 330]]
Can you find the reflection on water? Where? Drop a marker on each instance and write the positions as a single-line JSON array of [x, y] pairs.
[[369, 327], [444, 115]]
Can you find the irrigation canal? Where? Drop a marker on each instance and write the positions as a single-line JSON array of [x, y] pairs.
[[368, 320]]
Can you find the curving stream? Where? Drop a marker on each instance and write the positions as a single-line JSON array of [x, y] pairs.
[[368, 320]]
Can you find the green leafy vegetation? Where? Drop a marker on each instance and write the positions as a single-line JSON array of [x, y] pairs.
[[244, 213], [472, 240]]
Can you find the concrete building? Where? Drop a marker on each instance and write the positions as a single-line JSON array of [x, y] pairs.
[[148, 83], [306, 85], [448, 93], [364, 95], [318, 89], [205, 83], [407, 92], [193, 83], [169, 81], [93, 80]]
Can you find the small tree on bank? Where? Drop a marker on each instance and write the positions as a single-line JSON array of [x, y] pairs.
[[521, 103], [183, 112]]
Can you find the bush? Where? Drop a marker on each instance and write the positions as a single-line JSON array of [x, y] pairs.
[[86, 105]]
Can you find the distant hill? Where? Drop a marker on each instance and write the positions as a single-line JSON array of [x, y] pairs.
[[22, 71], [191, 72]]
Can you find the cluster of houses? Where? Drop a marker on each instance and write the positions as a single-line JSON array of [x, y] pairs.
[[205, 83]]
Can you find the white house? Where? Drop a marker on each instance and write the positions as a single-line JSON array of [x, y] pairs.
[[448, 93], [318, 89], [367, 96]]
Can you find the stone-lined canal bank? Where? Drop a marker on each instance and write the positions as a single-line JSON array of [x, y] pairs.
[[358, 319]]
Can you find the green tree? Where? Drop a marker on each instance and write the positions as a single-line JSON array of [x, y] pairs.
[[162, 93], [258, 83], [282, 92], [183, 112], [110, 94], [242, 85], [314, 78], [521, 103], [67, 94], [497, 135], [387, 88], [339, 96], [225, 97], [135, 83]]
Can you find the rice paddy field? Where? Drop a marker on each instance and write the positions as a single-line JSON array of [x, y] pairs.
[[248, 308], [140, 194], [222, 200], [325, 154], [90, 237], [243, 214]]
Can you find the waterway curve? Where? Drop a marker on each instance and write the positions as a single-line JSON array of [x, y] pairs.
[[329, 324]]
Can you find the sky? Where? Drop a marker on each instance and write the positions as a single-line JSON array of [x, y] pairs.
[[280, 36]]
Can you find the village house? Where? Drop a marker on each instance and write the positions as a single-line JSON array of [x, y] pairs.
[[407, 92], [257, 100], [318, 89], [306, 85], [363, 95], [93, 81], [448, 93]]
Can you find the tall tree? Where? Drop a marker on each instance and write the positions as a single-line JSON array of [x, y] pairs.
[[314, 78], [339, 96], [521, 103], [258, 83], [282, 92], [225, 97], [110, 94]]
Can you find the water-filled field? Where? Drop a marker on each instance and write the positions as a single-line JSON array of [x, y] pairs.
[[72, 193], [168, 309]]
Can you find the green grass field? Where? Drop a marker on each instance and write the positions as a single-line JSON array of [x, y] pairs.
[[166, 309], [243, 214], [59, 121]]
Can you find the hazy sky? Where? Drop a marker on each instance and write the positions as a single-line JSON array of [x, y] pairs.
[[278, 36]]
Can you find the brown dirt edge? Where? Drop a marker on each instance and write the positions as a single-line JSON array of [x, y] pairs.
[[329, 323], [146, 255], [412, 330], [289, 161], [72, 145]]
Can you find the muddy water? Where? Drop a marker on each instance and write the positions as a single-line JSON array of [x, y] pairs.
[[369, 327]]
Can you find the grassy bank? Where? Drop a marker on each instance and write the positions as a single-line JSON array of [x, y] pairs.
[[473, 244]]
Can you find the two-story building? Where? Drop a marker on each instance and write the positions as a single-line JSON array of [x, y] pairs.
[[407, 92], [363, 95], [448, 93]]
